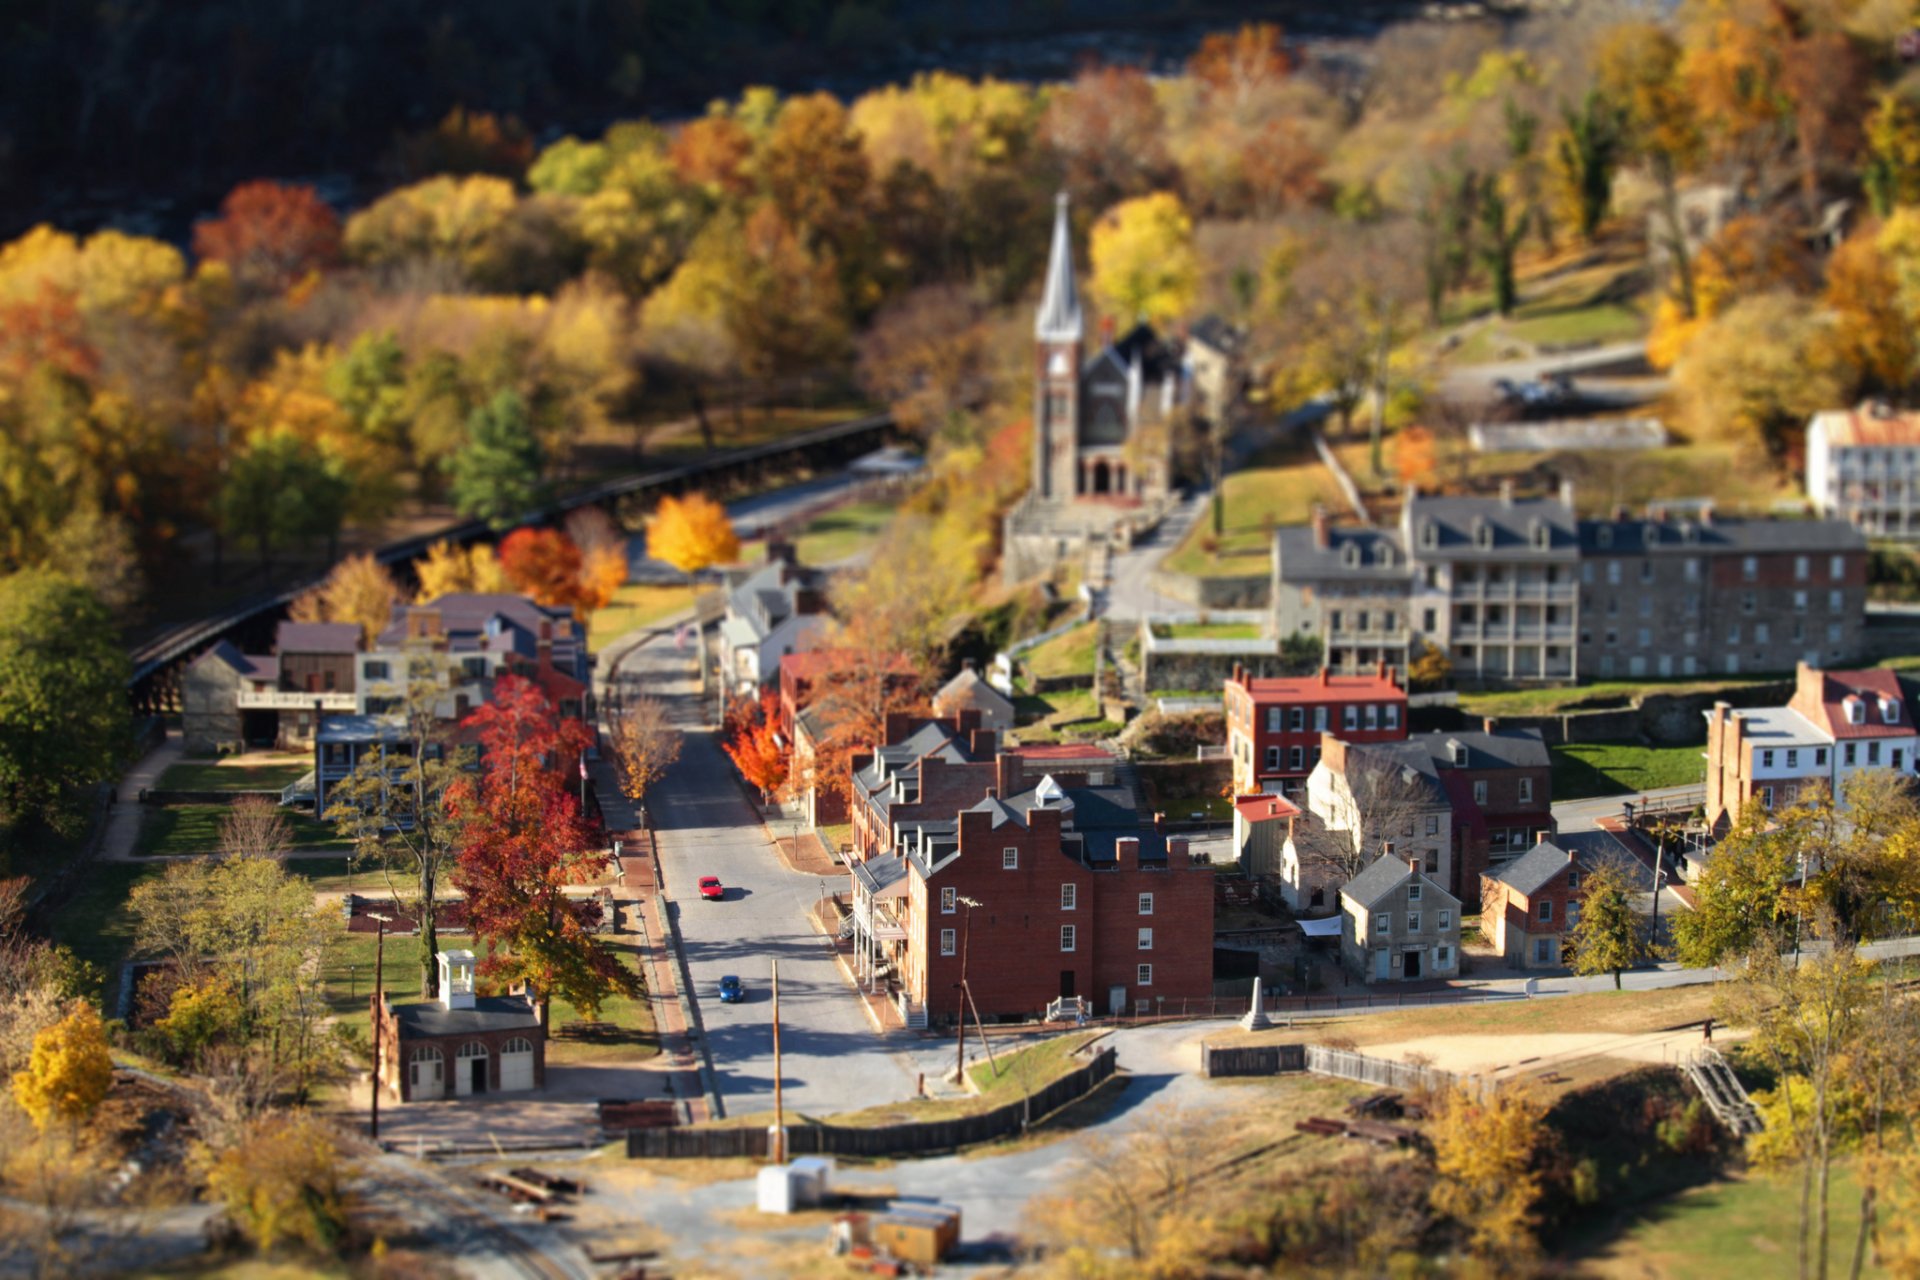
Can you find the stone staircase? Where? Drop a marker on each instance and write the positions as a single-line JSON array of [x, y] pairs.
[[913, 1014], [1098, 571], [1721, 1088]]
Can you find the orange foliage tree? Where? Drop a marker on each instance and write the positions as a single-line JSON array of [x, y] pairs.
[[755, 746], [1413, 456], [691, 533], [543, 563], [603, 556], [271, 234]]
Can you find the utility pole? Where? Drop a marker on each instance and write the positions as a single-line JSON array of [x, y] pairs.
[[960, 1005], [778, 1149], [379, 991], [1659, 871]]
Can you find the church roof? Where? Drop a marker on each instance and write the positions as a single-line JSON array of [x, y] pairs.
[[1059, 319]]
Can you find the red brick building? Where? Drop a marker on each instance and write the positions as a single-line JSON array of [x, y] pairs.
[[810, 717], [1529, 906], [462, 1044], [1274, 723], [1072, 895]]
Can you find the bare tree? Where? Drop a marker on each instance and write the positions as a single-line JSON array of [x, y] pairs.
[[255, 827], [647, 742], [1375, 799], [1133, 1189]]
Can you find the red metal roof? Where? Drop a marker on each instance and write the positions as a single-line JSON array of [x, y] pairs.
[[1836, 687], [1265, 808], [1322, 688]]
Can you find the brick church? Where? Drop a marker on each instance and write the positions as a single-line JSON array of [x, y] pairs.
[[1103, 425]]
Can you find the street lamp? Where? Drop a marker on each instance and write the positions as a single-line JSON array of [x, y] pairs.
[[960, 1005], [379, 973]]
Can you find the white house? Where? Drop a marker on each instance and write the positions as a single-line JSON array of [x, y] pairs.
[[1863, 465]]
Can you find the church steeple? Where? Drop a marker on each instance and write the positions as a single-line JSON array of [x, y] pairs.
[[1058, 319]]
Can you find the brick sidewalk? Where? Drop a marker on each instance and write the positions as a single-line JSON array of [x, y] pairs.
[[663, 986]]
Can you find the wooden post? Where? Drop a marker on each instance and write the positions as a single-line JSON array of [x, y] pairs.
[[778, 1148], [379, 991]]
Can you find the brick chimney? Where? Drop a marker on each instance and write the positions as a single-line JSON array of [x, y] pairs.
[[1489, 724], [781, 550], [1126, 852], [1007, 772], [1322, 538], [980, 744], [1176, 849], [1380, 668], [1706, 514], [899, 724], [1323, 675], [966, 720], [809, 600], [1415, 863], [1239, 674]]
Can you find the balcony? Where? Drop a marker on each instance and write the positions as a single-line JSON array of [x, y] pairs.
[[294, 700], [1525, 592]]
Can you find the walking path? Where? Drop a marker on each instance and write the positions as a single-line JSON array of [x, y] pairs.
[[123, 821]]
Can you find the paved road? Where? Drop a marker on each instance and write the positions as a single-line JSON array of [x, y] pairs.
[[832, 1058], [1584, 815]]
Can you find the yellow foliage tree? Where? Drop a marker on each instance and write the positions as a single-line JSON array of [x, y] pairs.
[[1483, 1157], [70, 1070], [1144, 265], [450, 570], [359, 590], [691, 533], [284, 1180]]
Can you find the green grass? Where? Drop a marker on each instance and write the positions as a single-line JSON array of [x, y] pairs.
[[199, 775], [1279, 487], [634, 606], [95, 922], [1035, 1067], [1604, 693], [1585, 769], [1067, 654], [195, 828], [1210, 631], [1730, 1230], [1602, 322], [843, 532], [1738, 480]]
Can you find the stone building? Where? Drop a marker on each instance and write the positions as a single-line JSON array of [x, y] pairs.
[[1397, 924], [230, 698]]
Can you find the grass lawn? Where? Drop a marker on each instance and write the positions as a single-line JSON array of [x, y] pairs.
[[1737, 480], [1067, 654], [1585, 769], [195, 828], [1601, 322], [1601, 694], [205, 775], [1614, 1012], [95, 923], [634, 606], [1730, 1230], [1278, 487], [1011, 1074], [1211, 631], [843, 532]]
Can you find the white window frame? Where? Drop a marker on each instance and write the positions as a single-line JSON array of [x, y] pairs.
[[1445, 922], [1146, 904], [1480, 791], [1143, 975], [1383, 924], [1413, 891], [949, 942], [1069, 897], [1443, 956], [1526, 791], [1413, 922], [1543, 911], [1010, 858], [1069, 937], [949, 901], [1145, 940]]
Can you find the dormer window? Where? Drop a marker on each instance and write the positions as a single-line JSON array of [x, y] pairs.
[[1350, 554], [1482, 534], [1385, 554], [1856, 711], [1429, 535], [1603, 536], [1458, 752], [1889, 711], [1542, 536]]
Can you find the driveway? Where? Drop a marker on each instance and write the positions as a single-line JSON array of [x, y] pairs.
[[832, 1059]]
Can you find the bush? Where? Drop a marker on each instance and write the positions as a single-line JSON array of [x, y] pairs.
[[284, 1181]]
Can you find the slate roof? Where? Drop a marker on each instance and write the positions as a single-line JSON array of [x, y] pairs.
[[1213, 331], [1720, 535], [317, 637], [1300, 559], [489, 1013], [1456, 523], [1533, 870], [968, 690], [497, 621], [1382, 876]]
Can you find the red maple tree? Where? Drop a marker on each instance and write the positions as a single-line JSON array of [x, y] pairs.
[[270, 233], [544, 563], [524, 841], [756, 749]]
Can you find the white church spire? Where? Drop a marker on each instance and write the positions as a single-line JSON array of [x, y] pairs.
[[1059, 319]]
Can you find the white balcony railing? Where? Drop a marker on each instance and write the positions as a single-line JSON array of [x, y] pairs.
[[293, 700]]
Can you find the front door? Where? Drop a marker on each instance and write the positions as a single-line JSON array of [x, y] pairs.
[[1411, 963], [1066, 984], [1382, 965], [1116, 1000], [478, 1066]]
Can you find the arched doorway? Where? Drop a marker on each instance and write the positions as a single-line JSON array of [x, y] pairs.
[[471, 1077], [1102, 477]]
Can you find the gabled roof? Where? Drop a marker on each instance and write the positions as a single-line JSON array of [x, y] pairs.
[[1862, 425], [1379, 554], [1838, 689], [1265, 808], [1382, 876], [1510, 527], [250, 666], [968, 690], [1533, 870], [1213, 331], [317, 637]]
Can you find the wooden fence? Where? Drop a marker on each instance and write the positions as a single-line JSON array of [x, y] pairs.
[[1348, 1065], [886, 1140], [1251, 1059]]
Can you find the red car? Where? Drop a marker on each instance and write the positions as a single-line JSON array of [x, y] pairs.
[[710, 888]]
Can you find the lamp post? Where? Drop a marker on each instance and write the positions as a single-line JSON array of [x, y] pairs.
[[379, 974], [1659, 874], [960, 1005]]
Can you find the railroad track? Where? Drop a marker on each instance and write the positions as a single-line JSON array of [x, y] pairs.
[[477, 1232]]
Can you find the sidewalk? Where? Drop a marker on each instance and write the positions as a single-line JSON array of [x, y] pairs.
[[123, 820]]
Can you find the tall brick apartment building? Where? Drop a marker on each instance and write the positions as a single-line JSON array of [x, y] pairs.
[[1274, 723], [1075, 894]]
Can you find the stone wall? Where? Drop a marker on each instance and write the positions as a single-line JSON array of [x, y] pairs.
[[1246, 591], [1174, 669], [1664, 719]]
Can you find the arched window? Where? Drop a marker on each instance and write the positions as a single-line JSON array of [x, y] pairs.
[[426, 1053], [473, 1049], [519, 1044]]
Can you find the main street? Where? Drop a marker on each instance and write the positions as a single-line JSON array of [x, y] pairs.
[[832, 1058]]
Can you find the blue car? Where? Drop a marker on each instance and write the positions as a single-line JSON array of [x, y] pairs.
[[731, 992]]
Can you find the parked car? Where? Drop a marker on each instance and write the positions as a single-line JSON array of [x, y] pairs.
[[710, 888], [731, 992]]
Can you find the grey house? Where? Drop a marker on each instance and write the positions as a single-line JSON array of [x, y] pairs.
[[1396, 925]]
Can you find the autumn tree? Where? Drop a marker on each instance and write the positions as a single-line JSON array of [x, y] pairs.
[[255, 827], [359, 590], [70, 1071], [1430, 668], [544, 564], [1134, 1194], [756, 749], [1892, 169], [1872, 335], [691, 533], [603, 556], [1486, 1178], [1413, 456], [1609, 936], [284, 1180], [451, 570], [523, 841], [63, 698], [1744, 894], [1143, 263], [497, 475], [1109, 130], [1752, 376], [647, 742], [394, 805], [1585, 157], [926, 356], [270, 234], [1637, 70]]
